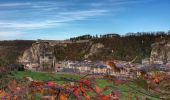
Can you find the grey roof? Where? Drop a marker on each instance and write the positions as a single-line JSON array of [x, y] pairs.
[[69, 70]]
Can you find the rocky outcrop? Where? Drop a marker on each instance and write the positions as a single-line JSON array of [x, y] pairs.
[[30, 55], [160, 53], [39, 55], [94, 49]]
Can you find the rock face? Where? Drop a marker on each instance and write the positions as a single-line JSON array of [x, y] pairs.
[[94, 49], [160, 53], [39, 55]]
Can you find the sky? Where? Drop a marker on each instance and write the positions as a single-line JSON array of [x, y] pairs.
[[62, 19]]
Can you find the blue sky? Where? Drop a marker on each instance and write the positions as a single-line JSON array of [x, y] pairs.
[[62, 19]]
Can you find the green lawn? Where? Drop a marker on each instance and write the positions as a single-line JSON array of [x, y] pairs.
[[100, 82], [45, 76]]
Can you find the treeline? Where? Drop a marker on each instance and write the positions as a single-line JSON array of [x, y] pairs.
[[130, 34], [16, 42], [129, 46], [155, 34], [125, 47], [88, 36]]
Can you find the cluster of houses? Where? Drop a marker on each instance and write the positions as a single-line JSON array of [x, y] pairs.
[[157, 65], [81, 67], [116, 68]]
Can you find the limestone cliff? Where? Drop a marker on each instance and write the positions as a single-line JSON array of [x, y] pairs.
[[40, 54], [160, 53], [43, 51], [95, 48], [31, 54]]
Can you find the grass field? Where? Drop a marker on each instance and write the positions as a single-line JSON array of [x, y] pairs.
[[45, 76], [100, 82]]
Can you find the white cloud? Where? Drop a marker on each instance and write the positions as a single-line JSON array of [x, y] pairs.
[[61, 18], [28, 25], [53, 13], [10, 35], [14, 4]]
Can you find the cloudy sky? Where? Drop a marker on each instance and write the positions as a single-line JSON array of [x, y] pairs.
[[62, 19]]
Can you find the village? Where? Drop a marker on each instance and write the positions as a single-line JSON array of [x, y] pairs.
[[44, 64], [84, 50], [40, 57]]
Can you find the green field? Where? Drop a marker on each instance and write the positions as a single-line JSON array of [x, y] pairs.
[[100, 82], [41, 76]]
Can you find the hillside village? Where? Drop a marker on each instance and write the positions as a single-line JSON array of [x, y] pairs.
[[90, 53], [84, 50], [41, 57], [93, 59]]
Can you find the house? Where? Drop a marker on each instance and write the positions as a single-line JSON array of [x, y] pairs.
[[32, 66], [69, 70], [102, 68], [168, 64], [99, 69], [67, 64], [58, 67]]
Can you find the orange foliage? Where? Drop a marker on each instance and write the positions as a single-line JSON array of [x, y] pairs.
[[2, 93], [37, 83], [103, 97], [63, 96], [158, 79], [113, 66]]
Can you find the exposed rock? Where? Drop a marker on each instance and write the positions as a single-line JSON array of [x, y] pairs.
[[160, 53], [40, 54], [94, 49]]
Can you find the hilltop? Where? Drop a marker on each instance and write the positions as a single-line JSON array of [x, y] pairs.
[[110, 46], [103, 47]]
